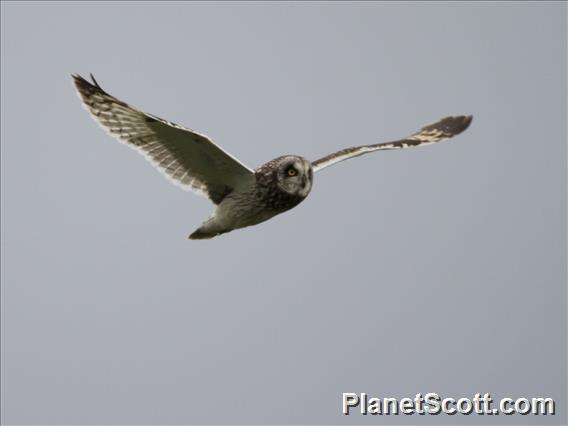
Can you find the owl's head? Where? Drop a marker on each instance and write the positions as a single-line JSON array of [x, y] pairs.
[[294, 175]]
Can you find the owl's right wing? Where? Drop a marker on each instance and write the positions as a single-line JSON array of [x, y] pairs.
[[436, 132], [188, 158]]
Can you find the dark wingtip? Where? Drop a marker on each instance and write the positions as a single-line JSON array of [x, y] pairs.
[[86, 86], [467, 120], [95, 81], [80, 83], [452, 125], [77, 78]]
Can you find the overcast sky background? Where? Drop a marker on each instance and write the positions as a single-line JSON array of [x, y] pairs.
[[440, 269]]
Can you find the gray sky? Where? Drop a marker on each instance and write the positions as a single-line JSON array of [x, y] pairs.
[[440, 269]]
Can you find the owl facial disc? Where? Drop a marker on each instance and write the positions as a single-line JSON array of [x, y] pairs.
[[295, 175]]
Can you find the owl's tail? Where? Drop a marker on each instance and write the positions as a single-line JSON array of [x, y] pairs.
[[207, 231], [199, 234]]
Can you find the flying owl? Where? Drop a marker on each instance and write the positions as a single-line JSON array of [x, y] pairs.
[[242, 196]]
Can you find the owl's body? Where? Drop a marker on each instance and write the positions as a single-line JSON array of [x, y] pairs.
[[260, 198], [243, 197]]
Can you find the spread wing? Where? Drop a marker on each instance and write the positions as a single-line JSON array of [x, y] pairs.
[[188, 158], [442, 129]]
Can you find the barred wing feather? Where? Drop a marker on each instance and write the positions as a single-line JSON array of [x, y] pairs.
[[189, 159], [436, 132]]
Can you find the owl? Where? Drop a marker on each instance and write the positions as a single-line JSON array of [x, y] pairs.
[[242, 196]]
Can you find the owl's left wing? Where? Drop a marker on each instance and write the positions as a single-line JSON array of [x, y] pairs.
[[436, 132], [189, 159]]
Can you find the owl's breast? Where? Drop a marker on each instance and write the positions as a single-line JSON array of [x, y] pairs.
[[253, 204], [278, 200]]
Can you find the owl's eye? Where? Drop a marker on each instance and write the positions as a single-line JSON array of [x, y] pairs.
[[292, 171]]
